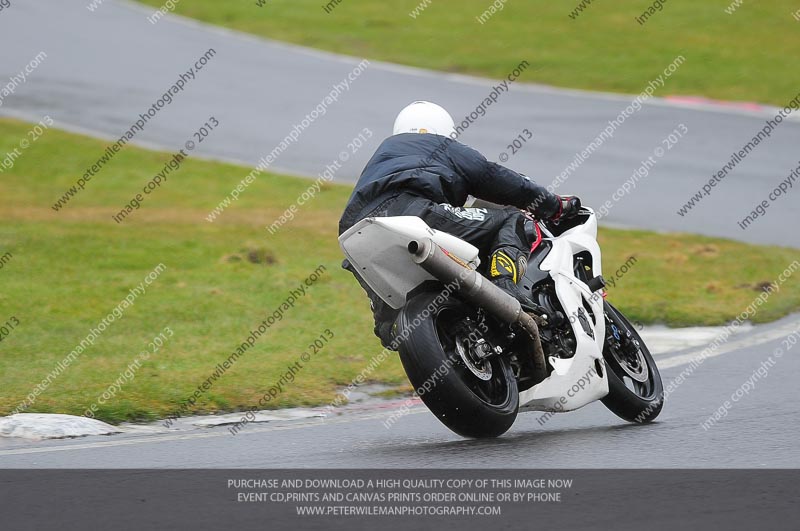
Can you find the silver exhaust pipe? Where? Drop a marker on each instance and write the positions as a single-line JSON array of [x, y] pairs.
[[478, 289]]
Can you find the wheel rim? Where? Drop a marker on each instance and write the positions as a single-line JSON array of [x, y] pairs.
[[628, 363], [481, 370], [632, 363], [487, 381]]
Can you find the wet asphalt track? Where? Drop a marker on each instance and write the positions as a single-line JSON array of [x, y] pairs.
[[105, 67], [759, 431]]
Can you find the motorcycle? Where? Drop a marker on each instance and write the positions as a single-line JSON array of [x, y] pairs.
[[474, 356]]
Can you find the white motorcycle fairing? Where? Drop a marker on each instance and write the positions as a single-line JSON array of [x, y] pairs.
[[581, 379], [378, 249]]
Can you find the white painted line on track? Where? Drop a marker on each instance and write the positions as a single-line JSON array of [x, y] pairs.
[[200, 434], [758, 338]]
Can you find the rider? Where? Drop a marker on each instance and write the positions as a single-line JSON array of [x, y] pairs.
[[422, 171]]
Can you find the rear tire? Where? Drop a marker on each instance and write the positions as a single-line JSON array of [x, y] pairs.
[[635, 391], [470, 405]]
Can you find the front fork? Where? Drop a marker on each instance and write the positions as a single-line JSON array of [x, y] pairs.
[[622, 339]]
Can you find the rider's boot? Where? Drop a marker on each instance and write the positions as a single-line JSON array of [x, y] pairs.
[[506, 268]]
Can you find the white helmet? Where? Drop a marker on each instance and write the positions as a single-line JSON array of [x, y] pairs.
[[424, 117]]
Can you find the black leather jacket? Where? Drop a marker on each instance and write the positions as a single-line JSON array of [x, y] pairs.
[[442, 170]]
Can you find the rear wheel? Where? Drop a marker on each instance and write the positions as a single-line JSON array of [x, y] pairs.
[[635, 391], [442, 357]]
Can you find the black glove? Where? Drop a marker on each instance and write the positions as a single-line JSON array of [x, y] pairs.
[[570, 206]]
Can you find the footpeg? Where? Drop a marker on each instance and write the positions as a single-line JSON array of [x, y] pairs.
[[596, 283]]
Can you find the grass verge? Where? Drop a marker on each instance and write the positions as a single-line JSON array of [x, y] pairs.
[[745, 55], [69, 269]]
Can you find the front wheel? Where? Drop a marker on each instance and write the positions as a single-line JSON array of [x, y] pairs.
[[472, 397], [635, 391]]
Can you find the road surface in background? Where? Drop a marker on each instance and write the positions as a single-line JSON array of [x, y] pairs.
[[104, 68]]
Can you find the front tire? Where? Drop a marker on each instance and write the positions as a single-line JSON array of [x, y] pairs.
[[635, 391], [473, 400]]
